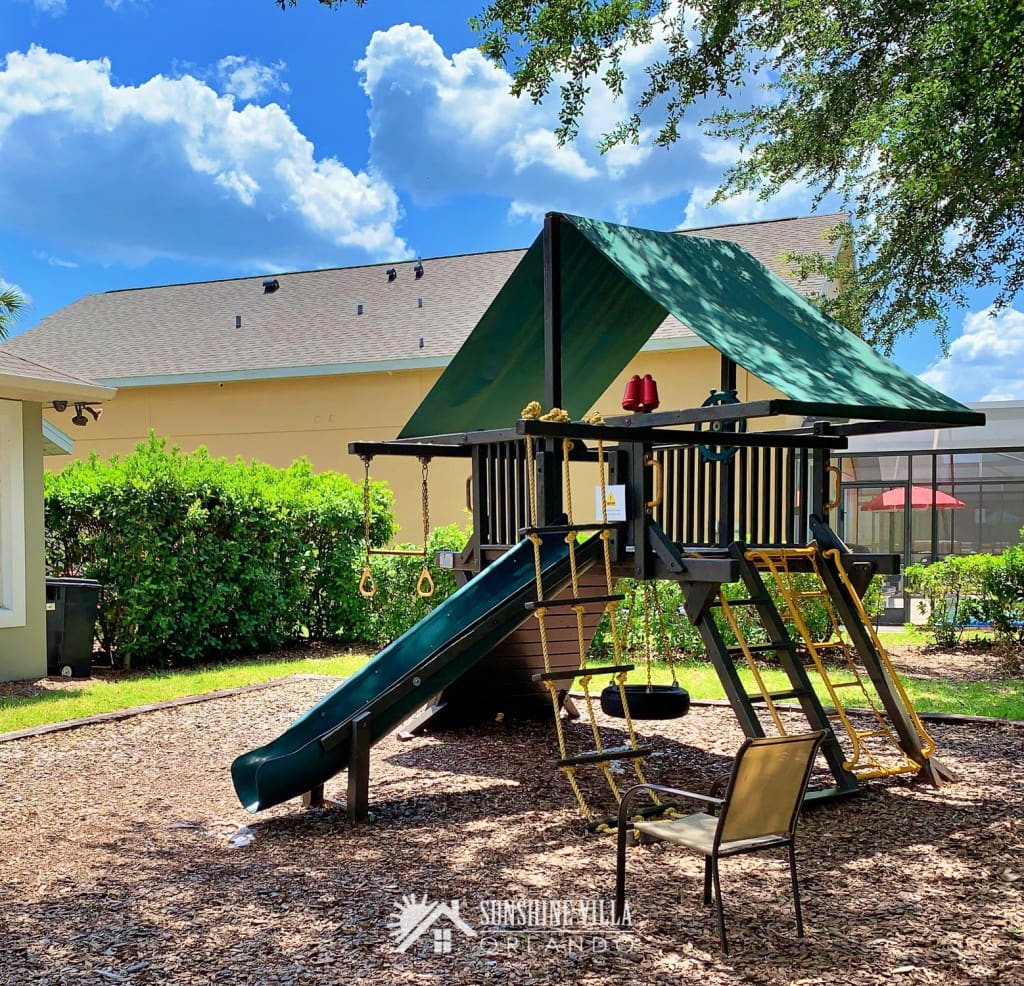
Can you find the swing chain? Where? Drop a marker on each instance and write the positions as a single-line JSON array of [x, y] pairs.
[[425, 500], [425, 584], [367, 585]]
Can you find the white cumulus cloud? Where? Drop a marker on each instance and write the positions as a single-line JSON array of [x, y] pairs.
[[792, 200], [986, 362], [248, 78], [443, 126], [171, 168]]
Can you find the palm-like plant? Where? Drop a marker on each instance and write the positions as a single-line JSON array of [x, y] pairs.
[[11, 303]]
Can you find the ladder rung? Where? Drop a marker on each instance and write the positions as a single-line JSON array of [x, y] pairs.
[[775, 696], [756, 649], [574, 601], [603, 756], [567, 674], [752, 601], [566, 528], [872, 733], [847, 684]]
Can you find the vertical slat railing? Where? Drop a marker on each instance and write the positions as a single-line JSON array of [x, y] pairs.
[[770, 497]]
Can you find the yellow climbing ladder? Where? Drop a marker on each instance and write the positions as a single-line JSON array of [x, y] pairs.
[[881, 749]]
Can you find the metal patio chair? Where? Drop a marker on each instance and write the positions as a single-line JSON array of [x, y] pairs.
[[759, 811]]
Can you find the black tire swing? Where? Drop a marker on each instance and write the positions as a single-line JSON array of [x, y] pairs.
[[648, 701]]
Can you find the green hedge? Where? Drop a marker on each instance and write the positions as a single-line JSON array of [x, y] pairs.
[[202, 557]]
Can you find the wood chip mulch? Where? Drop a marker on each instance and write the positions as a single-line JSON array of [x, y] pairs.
[[128, 860]]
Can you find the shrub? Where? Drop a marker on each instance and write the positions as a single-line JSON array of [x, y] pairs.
[[327, 511], [954, 592], [1002, 599], [682, 637], [202, 557]]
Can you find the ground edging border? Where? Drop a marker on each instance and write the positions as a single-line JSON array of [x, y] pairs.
[[136, 710]]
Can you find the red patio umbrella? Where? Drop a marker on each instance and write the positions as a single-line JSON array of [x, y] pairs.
[[921, 498]]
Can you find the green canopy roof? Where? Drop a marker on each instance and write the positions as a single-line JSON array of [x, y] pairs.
[[617, 285]]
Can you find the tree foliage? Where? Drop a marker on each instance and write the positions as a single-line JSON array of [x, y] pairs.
[[911, 112], [11, 303]]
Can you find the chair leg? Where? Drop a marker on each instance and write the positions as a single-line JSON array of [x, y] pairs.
[[620, 873], [707, 881], [796, 891], [718, 904]]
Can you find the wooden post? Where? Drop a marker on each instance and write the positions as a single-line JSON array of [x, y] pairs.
[[549, 486], [314, 798], [726, 491], [359, 769], [552, 311]]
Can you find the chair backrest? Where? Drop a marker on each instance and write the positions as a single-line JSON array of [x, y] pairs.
[[767, 787]]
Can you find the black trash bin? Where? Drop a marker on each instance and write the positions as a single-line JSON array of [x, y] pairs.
[[71, 606]]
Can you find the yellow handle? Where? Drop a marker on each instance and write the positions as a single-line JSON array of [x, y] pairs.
[[659, 483], [469, 494], [838, 473], [367, 587], [425, 585]]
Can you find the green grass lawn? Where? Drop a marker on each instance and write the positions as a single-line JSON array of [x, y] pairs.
[[99, 695], [1002, 699]]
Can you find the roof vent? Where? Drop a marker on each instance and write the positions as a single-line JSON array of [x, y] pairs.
[[270, 285], [359, 309], [419, 302], [238, 321], [392, 274], [418, 269], [421, 342]]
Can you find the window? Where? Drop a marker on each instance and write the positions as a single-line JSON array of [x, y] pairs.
[[12, 516]]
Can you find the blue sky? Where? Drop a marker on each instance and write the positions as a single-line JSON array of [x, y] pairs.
[[157, 141]]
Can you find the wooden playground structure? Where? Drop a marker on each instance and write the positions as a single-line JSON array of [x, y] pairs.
[[728, 492]]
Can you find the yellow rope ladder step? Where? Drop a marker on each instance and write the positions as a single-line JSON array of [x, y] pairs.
[[533, 411]]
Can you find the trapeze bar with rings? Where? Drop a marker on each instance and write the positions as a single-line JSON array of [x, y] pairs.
[[425, 583]]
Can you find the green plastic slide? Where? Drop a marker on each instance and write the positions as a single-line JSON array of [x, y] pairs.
[[404, 675]]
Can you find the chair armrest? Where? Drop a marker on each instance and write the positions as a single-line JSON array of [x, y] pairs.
[[661, 789], [720, 783]]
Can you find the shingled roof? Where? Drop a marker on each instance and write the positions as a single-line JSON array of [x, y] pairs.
[[351, 319], [771, 241], [29, 380]]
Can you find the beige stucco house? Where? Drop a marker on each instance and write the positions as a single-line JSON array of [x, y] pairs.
[[300, 364], [25, 387]]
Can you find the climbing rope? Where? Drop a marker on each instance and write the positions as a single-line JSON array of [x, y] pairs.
[[653, 612], [533, 411]]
